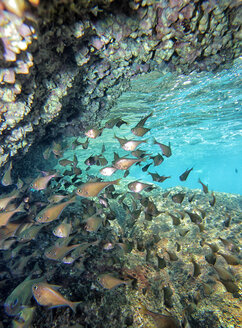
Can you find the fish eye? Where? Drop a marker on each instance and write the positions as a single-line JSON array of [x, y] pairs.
[[35, 287]]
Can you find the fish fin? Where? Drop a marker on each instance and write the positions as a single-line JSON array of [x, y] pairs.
[[20, 208], [73, 305], [117, 182]]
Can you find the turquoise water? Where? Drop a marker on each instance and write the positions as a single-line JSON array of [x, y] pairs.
[[200, 114]]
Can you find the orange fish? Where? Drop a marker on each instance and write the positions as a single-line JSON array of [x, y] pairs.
[[7, 199], [107, 281], [7, 179], [46, 295], [57, 252], [63, 230], [94, 133], [125, 163], [6, 216], [51, 213], [166, 150], [42, 182], [92, 189], [93, 223]]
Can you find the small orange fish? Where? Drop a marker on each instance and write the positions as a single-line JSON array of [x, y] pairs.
[[125, 163], [63, 230], [7, 179], [137, 186], [108, 171], [94, 133], [92, 189], [46, 295], [51, 213], [7, 199], [42, 182], [6, 216], [93, 223], [166, 150], [107, 281], [57, 252], [205, 188]]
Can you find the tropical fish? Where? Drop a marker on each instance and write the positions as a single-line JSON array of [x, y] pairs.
[[78, 252], [57, 252], [6, 216], [56, 198], [46, 153], [63, 230], [223, 273], [42, 182], [166, 150], [92, 189], [94, 133], [125, 163], [51, 213], [108, 171], [24, 318], [7, 179], [108, 281], [114, 122], [129, 145], [47, 295], [77, 171], [143, 120], [160, 320], [185, 174], [65, 162], [139, 153], [30, 233], [158, 178], [178, 198], [20, 296], [205, 188], [57, 149], [213, 200], [139, 131], [157, 160], [137, 186], [93, 223], [5, 199], [145, 168]]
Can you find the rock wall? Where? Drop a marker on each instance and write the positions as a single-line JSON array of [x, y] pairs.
[[68, 61]]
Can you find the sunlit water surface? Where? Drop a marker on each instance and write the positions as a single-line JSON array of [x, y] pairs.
[[199, 114]]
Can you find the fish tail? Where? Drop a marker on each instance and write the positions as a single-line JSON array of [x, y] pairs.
[[20, 208], [73, 305], [117, 182]]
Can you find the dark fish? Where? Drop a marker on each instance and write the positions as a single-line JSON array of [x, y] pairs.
[[230, 258], [75, 144], [139, 131], [223, 273], [85, 144], [77, 171], [158, 178], [213, 200], [166, 150], [65, 162], [91, 161], [158, 159], [143, 120], [178, 198], [115, 122], [184, 175], [126, 173], [103, 148], [176, 221], [145, 168], [139, 153], [205, 188], [195, 218]]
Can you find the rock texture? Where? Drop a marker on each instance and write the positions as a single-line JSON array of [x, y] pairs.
[[68, 61]]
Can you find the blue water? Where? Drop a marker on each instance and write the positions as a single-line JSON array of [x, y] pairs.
[[200, 114]]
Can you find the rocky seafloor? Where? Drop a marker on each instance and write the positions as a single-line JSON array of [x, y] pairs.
[[63, 64], [182, 257]]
